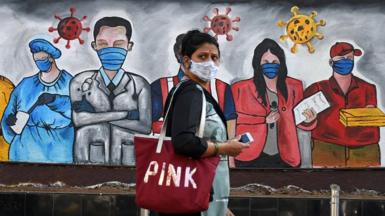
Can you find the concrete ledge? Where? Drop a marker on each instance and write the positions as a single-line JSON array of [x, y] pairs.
[[88, 179]]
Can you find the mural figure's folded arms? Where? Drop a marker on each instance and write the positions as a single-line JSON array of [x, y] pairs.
[[110, 104]]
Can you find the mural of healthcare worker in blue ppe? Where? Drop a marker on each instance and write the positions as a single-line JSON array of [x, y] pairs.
[[37, 120], [110, 105]]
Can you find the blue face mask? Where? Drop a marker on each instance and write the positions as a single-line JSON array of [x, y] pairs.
[[43, 65], [343, 66], [112, 58], [270, 70]]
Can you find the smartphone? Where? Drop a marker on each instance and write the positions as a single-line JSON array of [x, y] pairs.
[[246, 138]]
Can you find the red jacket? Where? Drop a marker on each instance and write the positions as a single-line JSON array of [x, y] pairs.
[[329, 129], [252, 118]]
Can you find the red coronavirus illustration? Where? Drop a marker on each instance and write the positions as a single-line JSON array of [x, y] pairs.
[[221, 24], [69, 28]]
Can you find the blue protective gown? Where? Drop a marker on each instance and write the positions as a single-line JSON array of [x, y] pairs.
[[49, 134]]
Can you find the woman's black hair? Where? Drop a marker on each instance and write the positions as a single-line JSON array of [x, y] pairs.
[[264, 46], [195, 39], [178, 47]]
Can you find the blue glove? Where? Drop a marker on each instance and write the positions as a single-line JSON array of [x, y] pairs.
[[45, 98], [11, 120], [83, 106], [133, 115]]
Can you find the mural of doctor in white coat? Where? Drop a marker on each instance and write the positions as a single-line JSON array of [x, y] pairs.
[[110, 105]]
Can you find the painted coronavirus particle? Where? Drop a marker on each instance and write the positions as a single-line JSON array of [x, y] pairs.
[[69, 28], [221, 24], [301, 29]]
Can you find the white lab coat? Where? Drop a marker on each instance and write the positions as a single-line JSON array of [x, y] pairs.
[[105, 135]]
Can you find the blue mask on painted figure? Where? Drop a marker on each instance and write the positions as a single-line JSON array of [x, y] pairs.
[[112, 58], [343, 66], [270, 70], [43, 65]]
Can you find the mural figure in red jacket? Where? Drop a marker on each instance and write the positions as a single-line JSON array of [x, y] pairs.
[[264, 106]]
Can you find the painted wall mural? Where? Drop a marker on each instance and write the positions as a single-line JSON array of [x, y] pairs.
[[110, 104], [221, 24], [83, 102], [6, 87], [301, 29], [69, 28]]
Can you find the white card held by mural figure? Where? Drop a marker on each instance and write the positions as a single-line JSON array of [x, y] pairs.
[[318, 102], [22, 119]]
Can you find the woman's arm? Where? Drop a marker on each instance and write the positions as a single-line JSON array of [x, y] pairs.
[[231, 147], [185, 122]]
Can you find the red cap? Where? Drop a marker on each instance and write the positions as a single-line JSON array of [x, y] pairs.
[[343, 48]]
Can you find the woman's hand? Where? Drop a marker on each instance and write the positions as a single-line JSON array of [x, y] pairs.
[[232, 147], [310, 115], [272, 117]]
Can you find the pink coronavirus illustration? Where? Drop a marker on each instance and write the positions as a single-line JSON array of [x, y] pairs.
[[69, 28], [222, 24]]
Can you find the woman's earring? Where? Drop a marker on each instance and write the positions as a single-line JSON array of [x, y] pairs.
[[187, 66]]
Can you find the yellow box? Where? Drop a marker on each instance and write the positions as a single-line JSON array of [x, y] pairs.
[[359, 117]]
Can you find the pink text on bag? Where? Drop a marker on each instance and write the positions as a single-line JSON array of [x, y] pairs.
[[172, 174]]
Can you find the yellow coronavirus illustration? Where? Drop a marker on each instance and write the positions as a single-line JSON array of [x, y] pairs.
[[301, 29], [6, 88]]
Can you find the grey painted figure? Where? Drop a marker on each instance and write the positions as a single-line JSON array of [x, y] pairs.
[[109, 104]]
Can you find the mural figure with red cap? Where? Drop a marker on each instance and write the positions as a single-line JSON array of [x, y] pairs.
[[333, 144]]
